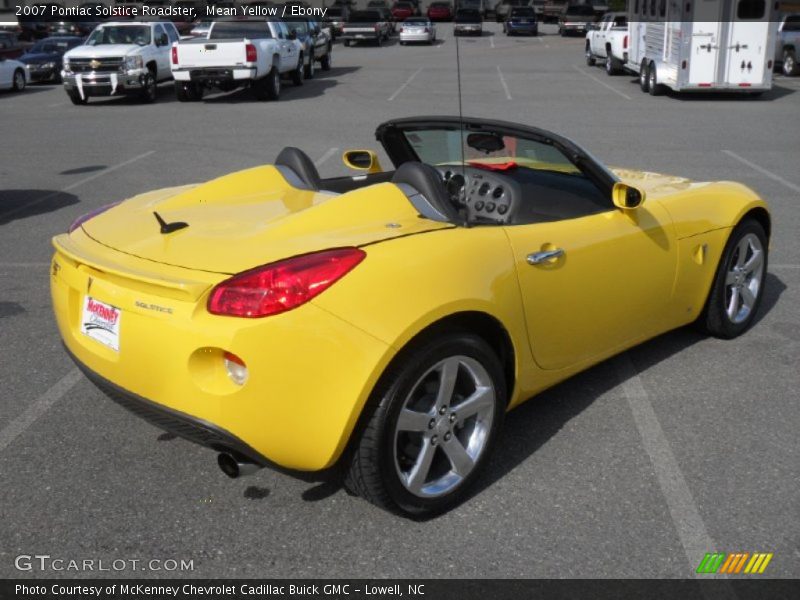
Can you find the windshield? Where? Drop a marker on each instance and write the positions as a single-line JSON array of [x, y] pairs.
[[443, 146], [120, 34], [468, 15], [365, 16], [49, 46], [522, 12], [231, 30], [581, 10]]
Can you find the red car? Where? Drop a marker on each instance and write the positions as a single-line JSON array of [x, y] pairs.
[[440, 11], [402, 10]]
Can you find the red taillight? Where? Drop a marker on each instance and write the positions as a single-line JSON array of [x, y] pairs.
[[174, 55], [250, 53], [90, 215], [625, 42], [283, 285]]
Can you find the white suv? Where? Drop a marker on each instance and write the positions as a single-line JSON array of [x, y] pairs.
[[120, 58]]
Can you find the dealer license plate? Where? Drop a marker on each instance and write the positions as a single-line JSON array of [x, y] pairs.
[[100, 321]]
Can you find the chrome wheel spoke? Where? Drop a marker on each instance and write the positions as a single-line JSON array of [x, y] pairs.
[[733, 303], [458, 456], [748, 297], [479, 401], [412, 420], [730, 278], [743, 247], [447, 382], [419, 473], [755, 261]]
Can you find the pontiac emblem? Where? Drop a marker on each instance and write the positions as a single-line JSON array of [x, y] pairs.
[[94, 63]]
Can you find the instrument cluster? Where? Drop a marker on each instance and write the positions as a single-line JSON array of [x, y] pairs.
[[486, 196]]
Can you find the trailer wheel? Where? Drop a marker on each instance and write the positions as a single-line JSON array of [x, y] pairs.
[[644, 77], [655, 88], [790, 67]]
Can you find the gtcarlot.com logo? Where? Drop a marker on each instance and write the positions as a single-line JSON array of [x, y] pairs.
[[734, 563], [45, 562]]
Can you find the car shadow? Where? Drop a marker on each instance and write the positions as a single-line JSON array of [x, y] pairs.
[[334, 72], [21, 204], [311, 88], [777, 92], [29, 89]]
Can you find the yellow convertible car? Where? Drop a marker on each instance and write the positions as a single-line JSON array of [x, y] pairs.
[[381, 325]]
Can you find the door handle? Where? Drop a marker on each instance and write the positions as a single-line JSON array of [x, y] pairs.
[[545, 256]]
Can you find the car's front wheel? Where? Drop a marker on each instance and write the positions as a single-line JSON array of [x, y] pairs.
[[738, 284], [18, 82], [311, 67], [590, 59], [76, 98], [298, 75], [790, 66], [327, 60], [436, 415]]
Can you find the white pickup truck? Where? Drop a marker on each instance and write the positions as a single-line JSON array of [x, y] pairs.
[[235, 54], [125, 57], [608, 39]]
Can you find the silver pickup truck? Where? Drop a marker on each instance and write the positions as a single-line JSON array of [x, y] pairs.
[[788, 45]]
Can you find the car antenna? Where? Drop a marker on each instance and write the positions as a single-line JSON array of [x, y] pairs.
[[460, 111], [169, 227]]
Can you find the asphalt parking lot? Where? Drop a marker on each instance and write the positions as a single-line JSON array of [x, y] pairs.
[[635, 468]]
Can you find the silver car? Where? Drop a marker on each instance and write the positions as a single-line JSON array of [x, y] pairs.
[[417, 29]]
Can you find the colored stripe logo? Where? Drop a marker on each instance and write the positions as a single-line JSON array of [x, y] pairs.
[[734, 563]]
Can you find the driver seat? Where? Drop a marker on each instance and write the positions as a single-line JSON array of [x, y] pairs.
[[298, 169], [426, 191]]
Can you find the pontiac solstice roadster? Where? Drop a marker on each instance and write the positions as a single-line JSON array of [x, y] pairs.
[[385, 323]]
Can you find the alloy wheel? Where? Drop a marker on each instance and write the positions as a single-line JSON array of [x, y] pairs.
[[744, 275], [443, 427]]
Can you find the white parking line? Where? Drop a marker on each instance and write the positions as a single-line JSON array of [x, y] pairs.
[[38, 407], [763, 171], [682, 508], [603, 83], [402, 87], [491, 41], [56, 105], [781, 267], [503, 81], [324, 157], [72, 186]]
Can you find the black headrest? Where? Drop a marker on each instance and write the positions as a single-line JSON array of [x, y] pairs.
[[299, 162], [428, 182]]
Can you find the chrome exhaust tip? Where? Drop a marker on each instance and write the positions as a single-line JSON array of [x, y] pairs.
[[234, 468]]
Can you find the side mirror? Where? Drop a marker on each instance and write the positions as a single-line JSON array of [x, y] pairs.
[[317, 31], [362, 160], [626, 196], [292, 35], [163, 40]]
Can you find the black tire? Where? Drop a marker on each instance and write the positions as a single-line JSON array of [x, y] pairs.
[[18, 81], [371, 470], [590, 58], [379, 40], [327, 60], [790, 67], [653, 87], [310, 68], [188, 91], [644, 77], [269, 86], [148, 93], [76, 99], [715, 319], [612, 65], [346, 42], [402, 43], [298, 75]]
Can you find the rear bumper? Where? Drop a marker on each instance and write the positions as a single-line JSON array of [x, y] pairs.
[[214, 74], [310, 372], [522, 27], [468, 29], [415, 37], [360, 35]]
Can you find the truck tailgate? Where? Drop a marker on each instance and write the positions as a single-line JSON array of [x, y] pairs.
[[211, 53]]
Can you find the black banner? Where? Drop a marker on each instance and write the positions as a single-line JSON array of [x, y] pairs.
[[380, 589]]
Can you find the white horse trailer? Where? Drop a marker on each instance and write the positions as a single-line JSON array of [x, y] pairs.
[[696, 45]]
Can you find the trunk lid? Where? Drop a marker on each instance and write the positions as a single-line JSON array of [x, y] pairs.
[[251, 218]]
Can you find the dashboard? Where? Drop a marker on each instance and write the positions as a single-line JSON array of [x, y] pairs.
[[486, 196]]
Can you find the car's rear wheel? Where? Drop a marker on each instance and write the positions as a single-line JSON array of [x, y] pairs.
[[18, 82], [347, 42], [186, 91], [613, 66], [790, 67], [738, 284], [269, 86], [439, 408]]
